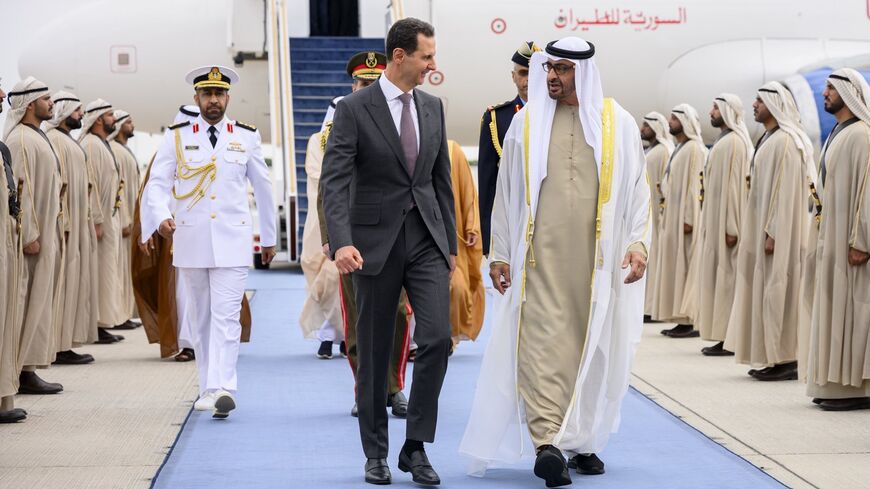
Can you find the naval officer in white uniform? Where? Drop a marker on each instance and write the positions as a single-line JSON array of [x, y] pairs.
[[201, 170]]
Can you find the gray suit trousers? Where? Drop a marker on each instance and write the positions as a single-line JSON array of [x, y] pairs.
[[415, 263]]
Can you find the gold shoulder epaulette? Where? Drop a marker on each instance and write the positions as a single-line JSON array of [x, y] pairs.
[[180, 124], [246, 126]]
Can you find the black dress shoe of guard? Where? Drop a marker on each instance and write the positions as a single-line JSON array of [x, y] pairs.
[[127, 325], [399, 403], [70, 357], [30, 383], [378, 472], [851, 404], [680, 328], [754, 371], [587, 464], [12, 416], [354, 411], [551, 466], [783, 371], [717, 350], [417, 463], [106, 338], [684, 331]]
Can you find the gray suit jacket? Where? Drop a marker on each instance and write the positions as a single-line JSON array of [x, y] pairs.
[[366, 188]]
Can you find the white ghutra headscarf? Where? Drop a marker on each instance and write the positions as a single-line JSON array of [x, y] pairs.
[[783, 108], [22, 95], [854, 91], [542, 108], [733, 113], [65, 103], [120, 116], [93, 111], [659, 124]]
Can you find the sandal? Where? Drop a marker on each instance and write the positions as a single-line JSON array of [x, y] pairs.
[[185, 355]]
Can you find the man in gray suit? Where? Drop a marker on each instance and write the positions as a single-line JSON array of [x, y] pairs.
[[389, 213]]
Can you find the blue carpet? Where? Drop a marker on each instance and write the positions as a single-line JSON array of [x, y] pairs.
[[293, 429]]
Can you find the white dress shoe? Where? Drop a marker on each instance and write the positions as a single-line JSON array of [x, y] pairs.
[[223, 404], [205, 402]]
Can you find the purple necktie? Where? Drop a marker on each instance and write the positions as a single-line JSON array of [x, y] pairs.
[[408, 134]]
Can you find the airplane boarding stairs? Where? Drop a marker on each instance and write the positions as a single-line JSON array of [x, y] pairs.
[[318, 75]]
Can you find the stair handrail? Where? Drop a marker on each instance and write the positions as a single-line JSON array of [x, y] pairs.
[[395, 11], [281, 109]]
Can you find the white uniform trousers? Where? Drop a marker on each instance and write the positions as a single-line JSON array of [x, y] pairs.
[[185, 336], [213, 304]]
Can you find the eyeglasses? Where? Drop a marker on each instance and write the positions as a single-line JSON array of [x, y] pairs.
[[559, 69]]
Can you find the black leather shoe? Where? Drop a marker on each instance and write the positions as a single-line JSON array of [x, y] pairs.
[[587, 464], [354, 411], [783, 371], [12, 416], [342, 349], [850, 404], [717, 350], [106, 338], [683, 331], [378, 472], [30, 383], [399, 404], [676, 329], [417, 463], [754, 371], [127, 325], [70, 357], [550, 465]]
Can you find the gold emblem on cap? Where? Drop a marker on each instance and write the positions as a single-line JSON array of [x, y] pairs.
[[214, 74], [371, 60]]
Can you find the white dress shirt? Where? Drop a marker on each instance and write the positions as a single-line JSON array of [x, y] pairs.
[[391, 93]]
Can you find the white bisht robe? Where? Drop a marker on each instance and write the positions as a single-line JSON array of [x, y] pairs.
[[495, 432], [323, 302]]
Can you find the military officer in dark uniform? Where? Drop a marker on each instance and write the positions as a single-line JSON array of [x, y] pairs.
[[493, 127]]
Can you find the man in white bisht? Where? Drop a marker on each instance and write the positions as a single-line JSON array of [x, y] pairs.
[[724, 200], [660, 146], [681, 224], [767, 310], [572, 190], [838, 376]]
